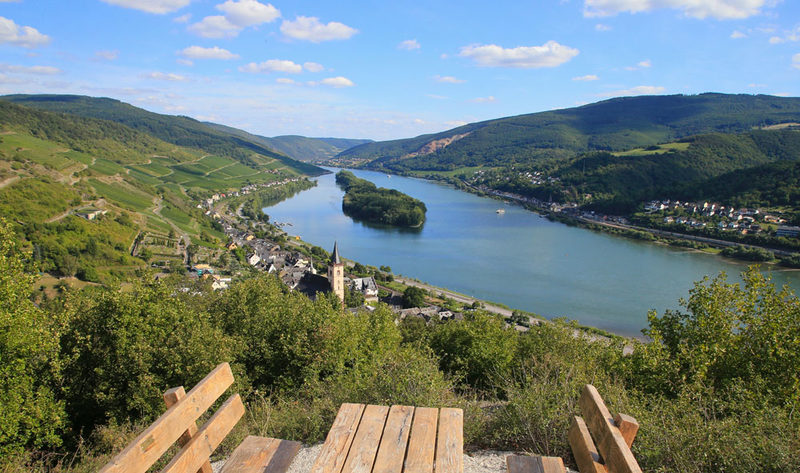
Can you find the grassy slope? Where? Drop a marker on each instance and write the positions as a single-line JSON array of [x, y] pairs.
[[611, 125], [178, 130], [54, 164]]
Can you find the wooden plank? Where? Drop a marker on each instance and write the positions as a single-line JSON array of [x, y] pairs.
[[337, 444], [450, 441], [583, 449], [422, 442], [148, 447], [208, 438], [171, 397], [365, 443], [534, 464], [627, 426], [392, 450], [610, 444], [261, 455]]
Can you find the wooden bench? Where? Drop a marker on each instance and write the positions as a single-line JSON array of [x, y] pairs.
[[179, 424], [534, 464], [610, 451], [400, 439]]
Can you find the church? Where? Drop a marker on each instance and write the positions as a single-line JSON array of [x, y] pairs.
[[310, 283]]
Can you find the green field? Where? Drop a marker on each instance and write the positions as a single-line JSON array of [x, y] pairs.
[[42, 152], [664, 148], [123, 194]]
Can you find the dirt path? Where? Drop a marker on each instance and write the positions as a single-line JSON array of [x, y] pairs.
[[8, 181]]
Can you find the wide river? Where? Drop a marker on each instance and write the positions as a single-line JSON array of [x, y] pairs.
[[516, 258]]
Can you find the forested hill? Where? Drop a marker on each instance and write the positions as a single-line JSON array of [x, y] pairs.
[[178, 130], [301, 148], [611, 125]]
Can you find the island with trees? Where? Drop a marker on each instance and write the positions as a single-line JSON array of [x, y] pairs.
[[365, 201]]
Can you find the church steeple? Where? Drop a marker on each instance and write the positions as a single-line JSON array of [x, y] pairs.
[[336, 273]]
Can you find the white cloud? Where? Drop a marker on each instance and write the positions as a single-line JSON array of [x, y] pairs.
[[448, 79], [25, 36], [166, 76], [796, 61], [246, 13], [789, 36], [183, 18], [456, 123], [488, 99], [313, 67], [38, 70], [550, 54], [756, 86], [586, 78], [285, 80], [437, 97], [273, 65], [216, 26], [409, 45], [602, 27], [199, 52], [151, 6], [337, 82], [719, 9], [106, 55], [184, 62], [639, 65], [310, 29], [638, 90], [738, 34]]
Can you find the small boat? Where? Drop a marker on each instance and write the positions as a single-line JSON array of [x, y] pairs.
[[501, 211]]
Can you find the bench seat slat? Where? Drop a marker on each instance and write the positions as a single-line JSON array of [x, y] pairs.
[[450, 441], [392, 450], [422, 443], [583, 448], [148, 447], [196, 452], [334, 451], [261, 455], [365, 444], [534, 464], [610, 443]]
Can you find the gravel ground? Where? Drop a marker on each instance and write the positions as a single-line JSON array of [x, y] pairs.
[[486, 461]]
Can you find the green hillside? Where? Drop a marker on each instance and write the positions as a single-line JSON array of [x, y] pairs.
[[56, 167], [297, 147], [613, 125], [178, 130]]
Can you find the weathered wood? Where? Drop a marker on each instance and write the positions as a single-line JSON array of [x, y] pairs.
[[627, 426], [365, 443], [337, 444], [450, 441], [610, 444], [392, 450], [583, 449], [199, 449], [148, 447], [422, 441], [261, 455], [171, 397], [534, 464]]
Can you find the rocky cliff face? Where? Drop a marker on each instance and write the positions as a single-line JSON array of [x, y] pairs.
[[435, 145]]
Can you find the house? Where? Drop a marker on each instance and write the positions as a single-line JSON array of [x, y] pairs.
[[366, 286], [253, 259], [90, 214]]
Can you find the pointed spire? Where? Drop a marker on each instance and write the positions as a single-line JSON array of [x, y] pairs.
[[335, 258]]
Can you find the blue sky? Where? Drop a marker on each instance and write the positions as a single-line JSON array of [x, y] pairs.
[[395, 69]]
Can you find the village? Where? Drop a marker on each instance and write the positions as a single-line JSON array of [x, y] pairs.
[[294, 263]]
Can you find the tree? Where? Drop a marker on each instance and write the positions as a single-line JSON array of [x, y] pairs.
[[30, 415], [414, 297], [353, 298], [736, 340]]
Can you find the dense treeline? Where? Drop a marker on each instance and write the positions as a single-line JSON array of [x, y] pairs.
[[179, 130], [365, 201], [611, 125], [85, 372]]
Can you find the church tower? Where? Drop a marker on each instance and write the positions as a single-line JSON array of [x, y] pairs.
[[336, 273]]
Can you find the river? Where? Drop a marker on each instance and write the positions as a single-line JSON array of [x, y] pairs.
[[516, 258]]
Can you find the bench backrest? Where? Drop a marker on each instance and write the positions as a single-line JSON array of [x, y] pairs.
[[179, 418]]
